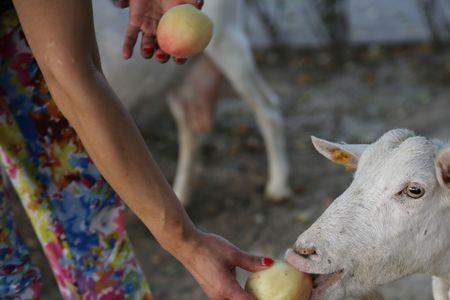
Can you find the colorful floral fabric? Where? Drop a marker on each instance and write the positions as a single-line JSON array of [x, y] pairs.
[[78, 218]]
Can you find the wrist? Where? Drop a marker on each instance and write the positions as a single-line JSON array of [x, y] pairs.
[[183, 241]]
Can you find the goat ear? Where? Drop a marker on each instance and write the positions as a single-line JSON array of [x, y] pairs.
[[344, 154], [443, 167]]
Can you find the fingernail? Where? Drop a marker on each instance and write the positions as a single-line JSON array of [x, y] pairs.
[[161, 56], [126, 55], [199, 4], [148, 52], [180, 61], [267, 262]]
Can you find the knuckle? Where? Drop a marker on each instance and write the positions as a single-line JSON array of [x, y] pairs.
[[129, 37], [147, 28], [132, 27], [256, 259], [235, 255]]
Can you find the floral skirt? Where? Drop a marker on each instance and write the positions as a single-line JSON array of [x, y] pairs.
[[77, 217]]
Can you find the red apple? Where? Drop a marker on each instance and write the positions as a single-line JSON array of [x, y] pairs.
[[184, 31]]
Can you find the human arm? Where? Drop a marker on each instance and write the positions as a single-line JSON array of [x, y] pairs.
[[62, 38]]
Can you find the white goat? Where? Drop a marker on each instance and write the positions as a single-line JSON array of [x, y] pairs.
[[230, 51], [392, 221]]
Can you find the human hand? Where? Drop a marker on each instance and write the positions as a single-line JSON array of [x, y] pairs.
[[144, 16], [213, 261]]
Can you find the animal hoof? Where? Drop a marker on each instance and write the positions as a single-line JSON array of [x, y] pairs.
[[278, 195]]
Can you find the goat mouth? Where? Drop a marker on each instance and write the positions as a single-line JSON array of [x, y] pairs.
[[322, 282]]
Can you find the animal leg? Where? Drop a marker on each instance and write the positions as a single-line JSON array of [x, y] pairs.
[[234, 57], [192, 106]]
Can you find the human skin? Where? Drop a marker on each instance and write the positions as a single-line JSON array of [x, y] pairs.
[[144, 16], [62, 38]]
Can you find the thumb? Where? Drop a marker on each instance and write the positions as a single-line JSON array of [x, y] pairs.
[[252, 263]]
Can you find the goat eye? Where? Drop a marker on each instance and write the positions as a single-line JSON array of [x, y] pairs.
[[414, 191]]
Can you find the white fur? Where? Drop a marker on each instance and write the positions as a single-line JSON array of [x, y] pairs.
[[231, 52], [377, 234]]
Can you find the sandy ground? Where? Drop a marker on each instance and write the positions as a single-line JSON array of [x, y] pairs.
[[375, 93]]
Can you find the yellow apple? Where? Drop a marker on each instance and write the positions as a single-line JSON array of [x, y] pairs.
[[279, 282], [184, 31]]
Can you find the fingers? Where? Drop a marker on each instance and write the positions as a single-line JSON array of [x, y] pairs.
[[180, 61], [142, 21], [199, 3], [162, 56], [252, 263], [148, 42], [148, 45], [130, 40]]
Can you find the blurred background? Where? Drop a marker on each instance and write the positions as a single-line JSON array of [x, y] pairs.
[[343, 70]]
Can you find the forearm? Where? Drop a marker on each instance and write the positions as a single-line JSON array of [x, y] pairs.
[[67, 54], [118, 150]]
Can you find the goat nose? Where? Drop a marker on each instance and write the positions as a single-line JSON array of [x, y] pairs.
[[306, 251]]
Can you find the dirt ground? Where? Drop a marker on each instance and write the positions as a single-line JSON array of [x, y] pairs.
[[377, 91]]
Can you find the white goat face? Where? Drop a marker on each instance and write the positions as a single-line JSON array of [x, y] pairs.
[[391, 221]]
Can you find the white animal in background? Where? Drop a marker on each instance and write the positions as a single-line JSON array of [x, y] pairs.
[[392, 221], [229, 54]]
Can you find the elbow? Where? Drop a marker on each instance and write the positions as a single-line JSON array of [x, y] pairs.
[[64, 71], [72, 83]]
